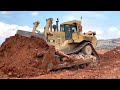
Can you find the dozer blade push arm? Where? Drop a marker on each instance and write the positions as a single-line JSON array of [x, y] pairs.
[[35, 26], [60, 53]]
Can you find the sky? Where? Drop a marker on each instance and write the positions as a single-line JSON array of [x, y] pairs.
[[106, 24]]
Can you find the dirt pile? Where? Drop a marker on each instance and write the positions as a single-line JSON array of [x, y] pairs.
[[21, 56], [114, 53]]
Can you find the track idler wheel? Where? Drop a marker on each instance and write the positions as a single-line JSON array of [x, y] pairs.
[[87, 50]]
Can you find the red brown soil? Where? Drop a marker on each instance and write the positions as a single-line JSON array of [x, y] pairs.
[[109, 68], [102, 51], [19, 56]]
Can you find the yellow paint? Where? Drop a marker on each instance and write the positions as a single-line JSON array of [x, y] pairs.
[[59, 37], [71, 22], [75, 36]]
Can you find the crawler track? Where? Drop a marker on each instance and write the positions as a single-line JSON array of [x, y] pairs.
[[77, 58]]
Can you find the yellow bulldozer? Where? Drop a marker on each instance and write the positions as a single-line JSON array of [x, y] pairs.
[[69, 42]]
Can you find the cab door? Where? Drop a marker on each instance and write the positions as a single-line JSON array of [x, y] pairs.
[[68, 32]]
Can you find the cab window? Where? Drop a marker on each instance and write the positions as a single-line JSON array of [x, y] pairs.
[[74, 29], [68, 27]]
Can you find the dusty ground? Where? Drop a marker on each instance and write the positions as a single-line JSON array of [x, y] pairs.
[[19, 59], [102, 51], [107, 69]]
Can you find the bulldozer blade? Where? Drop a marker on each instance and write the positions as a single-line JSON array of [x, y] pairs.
[[29, 34]]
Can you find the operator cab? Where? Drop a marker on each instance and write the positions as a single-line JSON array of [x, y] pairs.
[[68, 29]]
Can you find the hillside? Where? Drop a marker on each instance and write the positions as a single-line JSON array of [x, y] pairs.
[[108, 44]]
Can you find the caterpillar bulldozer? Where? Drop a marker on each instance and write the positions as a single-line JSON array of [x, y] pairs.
[[72, 46]]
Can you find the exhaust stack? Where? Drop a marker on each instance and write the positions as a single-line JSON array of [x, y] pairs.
[[57, 24]]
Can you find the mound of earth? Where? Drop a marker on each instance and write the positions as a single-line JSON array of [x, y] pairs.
[[114, 53], [19, 56]]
